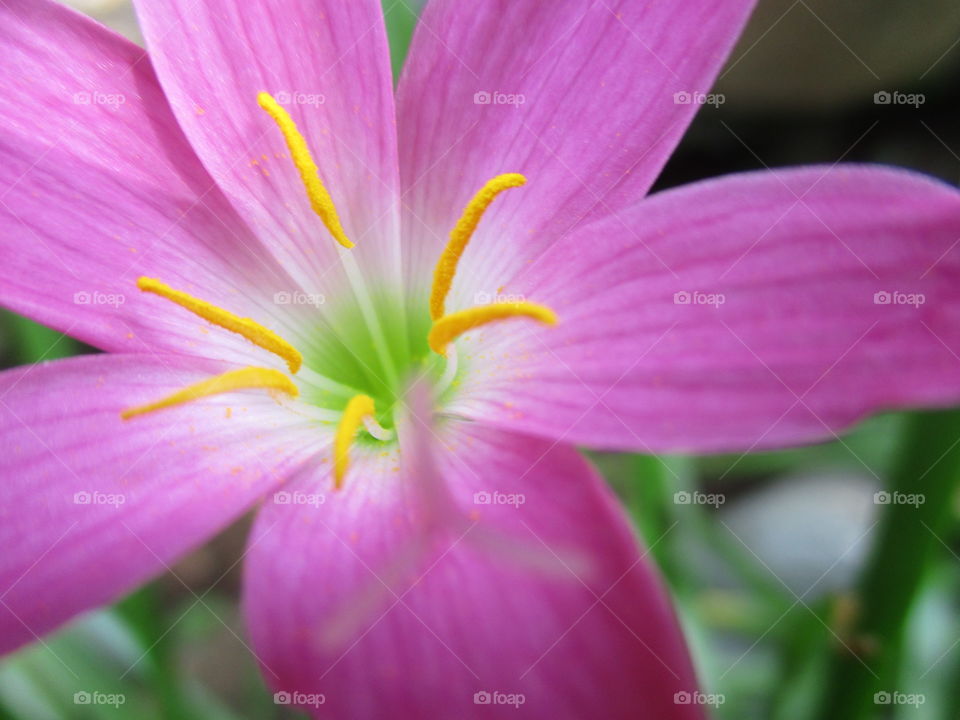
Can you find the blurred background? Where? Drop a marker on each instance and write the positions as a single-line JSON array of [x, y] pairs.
[[802, 588]]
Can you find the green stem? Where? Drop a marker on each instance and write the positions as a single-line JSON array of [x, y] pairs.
[[648, 496], [143, 612], [648, 493], [929, 466], [643, 484]]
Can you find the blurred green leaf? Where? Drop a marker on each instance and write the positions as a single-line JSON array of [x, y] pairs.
[[26, 342], [86, 670], [909, 537]]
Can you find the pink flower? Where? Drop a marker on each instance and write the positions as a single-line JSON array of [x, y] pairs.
[[190, 214]]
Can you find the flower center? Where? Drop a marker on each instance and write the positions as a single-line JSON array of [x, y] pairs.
[[357, 382]]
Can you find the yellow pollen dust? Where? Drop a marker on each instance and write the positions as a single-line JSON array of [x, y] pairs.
[[359, 407], [320, 199], [450, 327], [251, 330], [460, 235], [245, 379]]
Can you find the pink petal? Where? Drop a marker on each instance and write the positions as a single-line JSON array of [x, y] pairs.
[[598, 121], [91, 506], [328, 63], [99, 186], [402, 595], [799, 349]]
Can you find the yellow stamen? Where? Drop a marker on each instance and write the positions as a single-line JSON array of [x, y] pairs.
[[450, 327], [460, 236], [359, 407], [251, 330], [245, 379], [320, 199]]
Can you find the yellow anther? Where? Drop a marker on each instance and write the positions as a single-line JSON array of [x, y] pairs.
[[460, 236], [450, 327], [251, 330], [245, 379], [359, 407], [320, 199]]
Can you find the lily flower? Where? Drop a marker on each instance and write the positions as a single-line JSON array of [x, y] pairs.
[[390, 318]]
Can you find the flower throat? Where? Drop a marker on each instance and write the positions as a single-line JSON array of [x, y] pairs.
[[359, 409]]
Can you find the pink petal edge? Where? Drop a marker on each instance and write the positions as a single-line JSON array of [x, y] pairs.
[[92, 506], [752, 311]]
